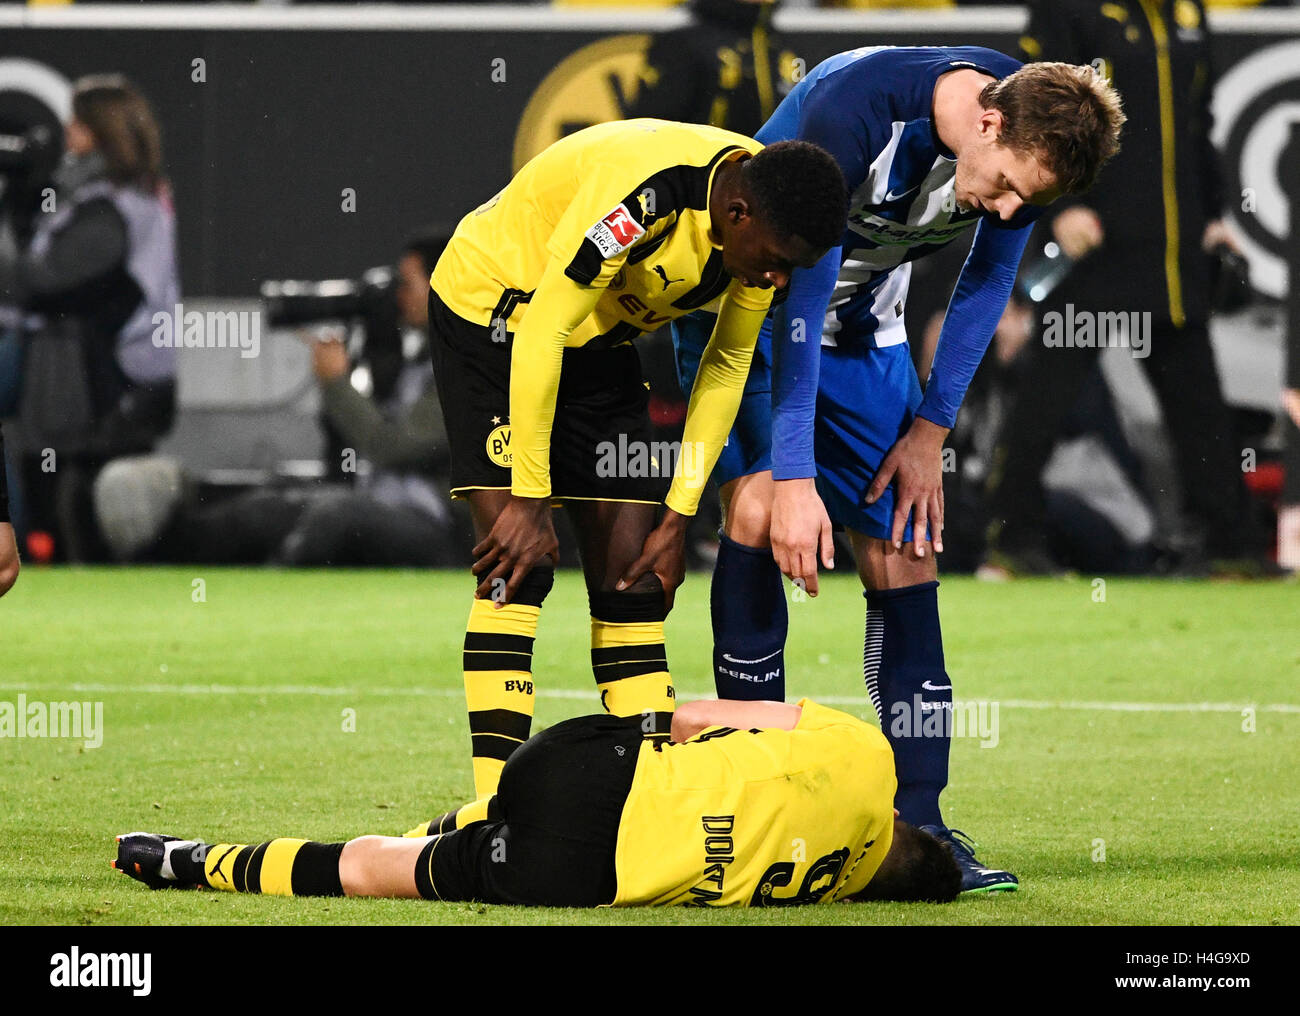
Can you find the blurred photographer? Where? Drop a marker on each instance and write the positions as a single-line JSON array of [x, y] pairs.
[[1149, 240], [81, 278], [383, 507]]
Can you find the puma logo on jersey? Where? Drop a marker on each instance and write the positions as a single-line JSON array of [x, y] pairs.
[[664, 276]]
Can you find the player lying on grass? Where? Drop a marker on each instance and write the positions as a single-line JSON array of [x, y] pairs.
[[933, 141], [750, 804], [609, 233]]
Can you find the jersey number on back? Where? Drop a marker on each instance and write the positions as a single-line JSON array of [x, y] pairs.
[[821, 876]]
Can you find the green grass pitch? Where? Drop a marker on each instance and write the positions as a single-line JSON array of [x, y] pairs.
[[1127, 785]]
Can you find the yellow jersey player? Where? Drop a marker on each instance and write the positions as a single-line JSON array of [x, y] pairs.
[[607, 234], [751, 804]]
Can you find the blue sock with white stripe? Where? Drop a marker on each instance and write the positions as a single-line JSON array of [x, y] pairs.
[[902, 664], [750, 621]]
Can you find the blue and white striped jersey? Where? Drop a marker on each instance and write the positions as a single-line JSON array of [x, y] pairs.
[[871, 108]]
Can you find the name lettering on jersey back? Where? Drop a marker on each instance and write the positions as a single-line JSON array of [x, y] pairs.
[[719, 851], [616, 232]]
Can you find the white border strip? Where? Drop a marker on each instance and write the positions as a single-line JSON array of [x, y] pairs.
[[331, 691], [978, 19], [362, 17], [535, 18]]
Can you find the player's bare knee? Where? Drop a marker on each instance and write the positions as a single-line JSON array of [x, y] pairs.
[[749, 519], [357, 865], [881, 565]]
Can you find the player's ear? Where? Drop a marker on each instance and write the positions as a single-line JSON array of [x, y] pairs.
[[990, 126]]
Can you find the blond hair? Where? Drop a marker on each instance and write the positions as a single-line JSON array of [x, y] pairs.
[[1067, 115]]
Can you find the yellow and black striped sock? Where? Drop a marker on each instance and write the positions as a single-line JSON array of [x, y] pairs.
[[628, 658], [498, 663], [458, 818], [282, 867]]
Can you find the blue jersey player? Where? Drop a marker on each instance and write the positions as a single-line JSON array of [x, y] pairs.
[[835, 426]]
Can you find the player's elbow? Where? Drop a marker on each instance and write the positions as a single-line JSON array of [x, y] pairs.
[[689, 718], [726, 364]]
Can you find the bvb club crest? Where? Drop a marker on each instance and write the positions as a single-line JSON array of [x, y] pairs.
[[595, 84], [498, 446]]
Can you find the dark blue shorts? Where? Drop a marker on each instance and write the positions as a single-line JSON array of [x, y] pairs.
[[866, 400]]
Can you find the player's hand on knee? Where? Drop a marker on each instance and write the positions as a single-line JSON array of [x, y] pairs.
[[522, 535], [801, 530], [915, 465], [927, 524], [664, 555]]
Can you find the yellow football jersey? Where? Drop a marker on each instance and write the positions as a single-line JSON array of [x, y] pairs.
[[758, 818], [624, 205], [603, 236]]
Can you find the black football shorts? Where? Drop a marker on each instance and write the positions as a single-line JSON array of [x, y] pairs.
[[552, 828], [602, 444]]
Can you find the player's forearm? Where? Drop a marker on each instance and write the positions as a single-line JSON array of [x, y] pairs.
[[796, 363], [715, 400], [557, 308], [691, 718], [978, 301]]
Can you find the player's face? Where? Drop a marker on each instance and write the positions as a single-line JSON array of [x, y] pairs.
[[77, 138], [756, 255], [999, 181], [413, 291]]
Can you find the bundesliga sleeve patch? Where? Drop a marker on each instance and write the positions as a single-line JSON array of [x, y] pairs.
[[615, 233]]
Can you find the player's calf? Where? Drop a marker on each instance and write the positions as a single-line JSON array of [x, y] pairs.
[[280, 867], [628, 658], [498, 669]]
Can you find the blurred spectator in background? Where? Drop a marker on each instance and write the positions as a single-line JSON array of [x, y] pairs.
[[386, 508], [83, 289], [727, 68], [1143, 241], [8, 545]]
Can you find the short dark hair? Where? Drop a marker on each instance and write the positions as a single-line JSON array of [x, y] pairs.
[[917, 869], [427, 246], [799, 190], [122, 123]]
